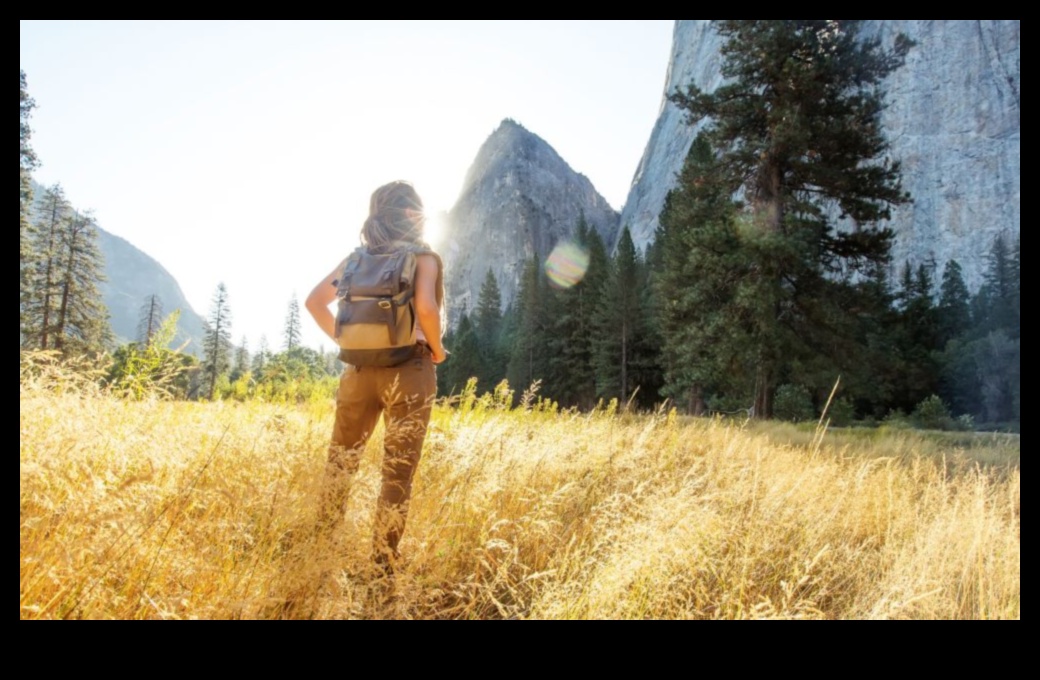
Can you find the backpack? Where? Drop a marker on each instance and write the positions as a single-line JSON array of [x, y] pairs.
[[375, 323]]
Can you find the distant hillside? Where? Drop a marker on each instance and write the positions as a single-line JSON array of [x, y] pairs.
[[133, 276]]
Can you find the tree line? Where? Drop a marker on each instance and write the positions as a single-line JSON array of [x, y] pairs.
[[924, 351], [768, 276], [767, 283]]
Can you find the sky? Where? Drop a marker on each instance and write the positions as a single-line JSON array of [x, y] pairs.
[[245, 152]]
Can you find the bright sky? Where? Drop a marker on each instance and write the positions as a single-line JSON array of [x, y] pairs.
[[245, 152]]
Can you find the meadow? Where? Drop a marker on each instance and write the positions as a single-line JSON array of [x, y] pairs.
[[159, 509]]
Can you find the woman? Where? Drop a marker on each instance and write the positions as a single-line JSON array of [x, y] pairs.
[[402, 394]]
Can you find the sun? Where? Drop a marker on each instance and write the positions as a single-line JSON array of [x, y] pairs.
[[434, 228]]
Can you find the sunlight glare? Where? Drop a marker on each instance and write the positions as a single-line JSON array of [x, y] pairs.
[[433, 228]]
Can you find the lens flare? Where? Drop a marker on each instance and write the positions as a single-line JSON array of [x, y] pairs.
[[566, 264], [433, 228]]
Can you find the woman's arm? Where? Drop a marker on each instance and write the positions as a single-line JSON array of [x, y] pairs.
[[426, 307], [321, 297]]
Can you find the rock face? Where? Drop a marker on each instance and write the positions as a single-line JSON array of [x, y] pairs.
[[518, 200], [953, 120], [133, 276]]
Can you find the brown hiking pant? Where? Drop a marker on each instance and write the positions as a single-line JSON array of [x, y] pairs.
[[403, 395]]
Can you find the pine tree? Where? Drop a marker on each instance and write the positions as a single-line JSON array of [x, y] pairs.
[[242, 362], [82, 324], [1015, 329], [528, 362], [41, 302], [998, 295], [151, 319], [918, 334], [263, 353], [959, 384], [997, 348], [27, 163], [619, 322], [954, 306], [702, 273], [488, 326], [63, 309], [572, 331], [216, 345], [645, 363], [292, 325], [796, 126], [464, 362]]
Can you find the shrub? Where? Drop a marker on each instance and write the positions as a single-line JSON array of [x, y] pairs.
[[841, 412], [932, 414], [794, 403]]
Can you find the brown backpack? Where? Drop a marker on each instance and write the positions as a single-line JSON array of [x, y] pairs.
[[375, 324]]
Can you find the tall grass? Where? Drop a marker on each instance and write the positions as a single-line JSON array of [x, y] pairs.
[[161, 509]]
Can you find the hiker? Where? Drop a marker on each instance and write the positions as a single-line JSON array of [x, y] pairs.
[[390, 345]]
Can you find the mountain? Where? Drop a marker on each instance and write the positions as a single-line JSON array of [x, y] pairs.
[[953, 120], [132, 276], [518, 200]]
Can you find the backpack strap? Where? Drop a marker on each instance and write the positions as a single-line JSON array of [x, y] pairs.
[[423, 249], [353, 260]]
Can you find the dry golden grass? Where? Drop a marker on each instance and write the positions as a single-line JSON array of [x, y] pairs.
[[158, 509]]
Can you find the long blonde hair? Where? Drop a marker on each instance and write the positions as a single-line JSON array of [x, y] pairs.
[[395, 215]]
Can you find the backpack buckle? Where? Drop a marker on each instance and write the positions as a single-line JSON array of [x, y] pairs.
[[384, 304]]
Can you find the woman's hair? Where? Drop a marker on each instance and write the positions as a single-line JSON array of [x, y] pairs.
[[395, 214]]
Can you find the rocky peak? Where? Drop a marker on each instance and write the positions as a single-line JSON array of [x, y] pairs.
[[519, 199]]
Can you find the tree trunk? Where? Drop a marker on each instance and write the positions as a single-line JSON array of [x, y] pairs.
[[624, 361], [764, 391], [696, 404], [767, 201]]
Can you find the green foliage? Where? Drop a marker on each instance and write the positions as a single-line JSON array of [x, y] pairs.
[[28, 163], [152, 369], [293, 330], [151, 319], [216, 344], [916, 334], [488, 327], [528, 361], [63, 309], [619, 320], [842, 412], [242, 362], [1000, 289], [40, 304], [954, 308], [263, 354], [572, 332], [980, 358], [794, 403], [82, 321], [896, 419], [464, 363], [298, 375], [779, 290], [932, 414], [998, 365]]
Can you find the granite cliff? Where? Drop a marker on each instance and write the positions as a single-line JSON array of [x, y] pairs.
[[518, 200], [953, 119]]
